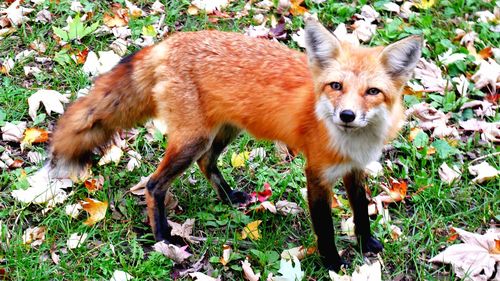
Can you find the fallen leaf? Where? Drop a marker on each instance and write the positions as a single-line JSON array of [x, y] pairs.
[[112, 154], [447, 174], [52, 100], [178, 255], [43, 189], [209, 6], [266, 205], [73, 210], [157, 8], [347, 226], [76, 6], [133, 10], [95, 65], [367, 272], [425, 4], [257, 31], [238, 160], [288, 208], [290, 270], [36, 157], [481, 108], [96, 210], [248, 272], [94, 184], [34, 135], [13, 132], [449, 57], [299, 38], [489, 131], [299, 252], [483, 172], [6, 66], [226, 254], [475, 259], [374, 169], [183, 230], [119, 275], [487, 75], [430, 76], [364, 30], [53, 255], [251, 230], [15, 13], [296, 9], [395, 193], [263, 195], [134, 161], [34, 236], [391, 7], [140, 187], [76, 240]]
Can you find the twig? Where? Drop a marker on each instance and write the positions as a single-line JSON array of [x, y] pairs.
[[485, 156]]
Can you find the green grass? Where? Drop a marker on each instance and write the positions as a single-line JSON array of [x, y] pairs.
[[123, 241]]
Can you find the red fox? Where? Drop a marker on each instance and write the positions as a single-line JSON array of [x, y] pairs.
[[338, 105]]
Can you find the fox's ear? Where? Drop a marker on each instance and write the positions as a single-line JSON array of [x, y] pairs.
[[400, 58], [321, 45]]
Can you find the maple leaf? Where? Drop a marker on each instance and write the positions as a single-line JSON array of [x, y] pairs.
[[52, 100], [395, 193], [75, 30], [262, 195], [285, 207], [296, 9], [430, 76], [94, 184], [487, 75], [75, 240], [177, 254], [183, 230], [96, 209], [238, 160], [251, 230], [476, 258], [15, 13]]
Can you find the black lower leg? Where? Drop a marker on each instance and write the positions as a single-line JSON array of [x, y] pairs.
[[208, 165], [359, 204], [175, 161]]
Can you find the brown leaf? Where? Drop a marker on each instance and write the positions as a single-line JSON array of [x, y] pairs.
[[94, 184], [96, 209], [177, 254], [296, 9], [34, 236]]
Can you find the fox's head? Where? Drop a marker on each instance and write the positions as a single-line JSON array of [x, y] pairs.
[[358, 87]]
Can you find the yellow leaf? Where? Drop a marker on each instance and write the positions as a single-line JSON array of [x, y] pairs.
[[34, 135], [425, 4], [238, 160], [296, 9], [251, 230], [96, 209], [148, 30]]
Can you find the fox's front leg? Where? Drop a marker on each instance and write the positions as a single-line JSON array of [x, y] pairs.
[[319, 198], [359, 203]]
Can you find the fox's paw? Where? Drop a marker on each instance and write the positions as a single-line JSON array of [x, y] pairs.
[[238, 197], [371, 245], [337, 265]]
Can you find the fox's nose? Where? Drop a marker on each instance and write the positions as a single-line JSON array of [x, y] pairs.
[[347, 116]]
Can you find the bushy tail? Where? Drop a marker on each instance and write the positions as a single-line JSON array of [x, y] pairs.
[[120, 99]]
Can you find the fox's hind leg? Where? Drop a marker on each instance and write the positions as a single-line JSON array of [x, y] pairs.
[[208, 165], [180, 154], [357, 198]]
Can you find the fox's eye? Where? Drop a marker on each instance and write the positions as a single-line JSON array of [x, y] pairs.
[[336, 86], [373, 91]]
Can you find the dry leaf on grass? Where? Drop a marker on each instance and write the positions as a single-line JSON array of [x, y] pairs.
[[487, 75], [140, 187], [52, 100], [251, 230], [16, 13], [289, 270], [177, 254], [238, 160], [34, 236], [430, 76], [96, 210], [43, 189], [134, 161], [347, 226], [288, 208], [248, 272], [476, 258], [183, 230], [119, 275], [299, 252], [367, 272], [73, 210], [94, 184], [447, 174], [13, 132], [226, 254], [209, 6], [489, 131], [395, 193], [112, 154], [76, 240], [106, 61], [483, 172]]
